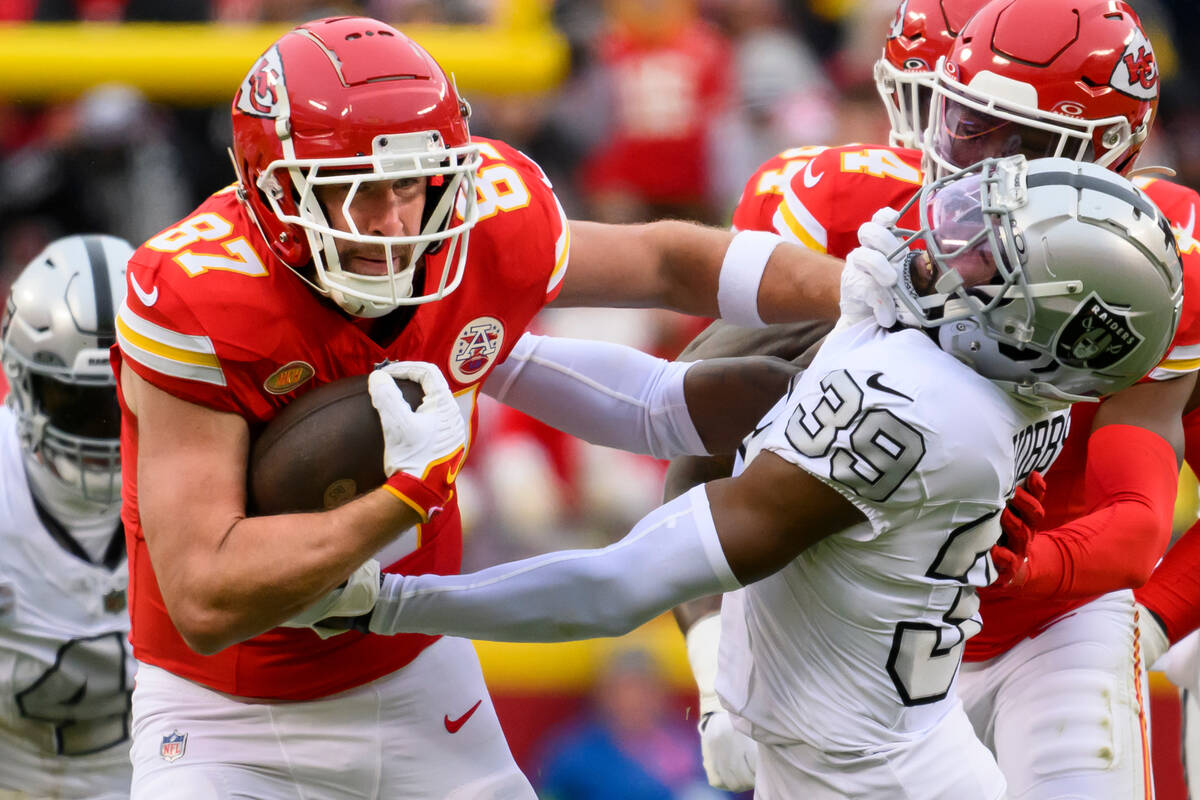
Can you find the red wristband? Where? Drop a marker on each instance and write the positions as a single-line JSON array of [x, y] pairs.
[[431, 493]]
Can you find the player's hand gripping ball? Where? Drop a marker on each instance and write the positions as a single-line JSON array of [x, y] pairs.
[[324, 449]]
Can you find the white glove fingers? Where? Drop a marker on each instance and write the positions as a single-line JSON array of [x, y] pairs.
[[429, 377], [885, 216], [875, 264], [877, 237], [388, 399]]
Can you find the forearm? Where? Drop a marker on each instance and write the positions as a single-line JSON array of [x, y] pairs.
[[1130, 483], [264, 570], [693, 269], [1173, 591], [671, 555], [604, 393], [616, 396]]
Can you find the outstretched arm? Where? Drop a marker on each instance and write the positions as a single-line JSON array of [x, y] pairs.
[[711, 539], [695, 269], [616, 396]]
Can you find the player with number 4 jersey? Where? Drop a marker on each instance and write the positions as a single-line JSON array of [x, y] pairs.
[[1108, 506]]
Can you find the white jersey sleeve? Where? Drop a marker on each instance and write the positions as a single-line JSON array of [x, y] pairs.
[[857, 642]]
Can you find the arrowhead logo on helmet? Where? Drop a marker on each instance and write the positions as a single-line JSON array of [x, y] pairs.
[[263, 90], [1136, 73]]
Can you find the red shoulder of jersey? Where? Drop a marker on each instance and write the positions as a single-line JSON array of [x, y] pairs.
[[521, 222], [206, 298], [764, 191], [842, 187], [1180, 205]]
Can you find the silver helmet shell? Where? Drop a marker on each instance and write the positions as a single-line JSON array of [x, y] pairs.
[[57, 327], [1057, 279]]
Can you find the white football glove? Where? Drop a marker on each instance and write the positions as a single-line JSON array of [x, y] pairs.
[[730, 756], [422, 449], [352, 599], [1181, 663], [869, 276]]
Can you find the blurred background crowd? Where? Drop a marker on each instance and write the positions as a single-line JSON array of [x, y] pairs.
[[666, 108]]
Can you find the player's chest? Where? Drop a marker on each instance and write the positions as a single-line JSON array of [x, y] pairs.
[[42, 586]]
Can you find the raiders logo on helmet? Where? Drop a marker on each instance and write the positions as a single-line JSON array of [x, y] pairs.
[[1096, 336]]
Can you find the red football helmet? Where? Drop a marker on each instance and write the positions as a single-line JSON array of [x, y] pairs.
[[1073, 78], [922, 32], [348, 101]]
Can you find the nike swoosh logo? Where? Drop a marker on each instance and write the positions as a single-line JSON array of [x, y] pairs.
[[874, 383], [453, 725], [809, 179], [148, 298]]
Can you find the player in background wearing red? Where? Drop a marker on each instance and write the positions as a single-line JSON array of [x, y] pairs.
[[367, 225], [1058, 649]]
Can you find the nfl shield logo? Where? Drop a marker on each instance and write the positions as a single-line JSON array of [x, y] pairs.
[[172, 746]]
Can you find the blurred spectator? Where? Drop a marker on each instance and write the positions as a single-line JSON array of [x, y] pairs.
[[666, 77], [782, 96], [105, 162], [628, 746]]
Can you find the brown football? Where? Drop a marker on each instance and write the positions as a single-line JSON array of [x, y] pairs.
[[323, 449]]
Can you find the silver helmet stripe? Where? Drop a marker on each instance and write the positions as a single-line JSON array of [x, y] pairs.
[[1096, 184]]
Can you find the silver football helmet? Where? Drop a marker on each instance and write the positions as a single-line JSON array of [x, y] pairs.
[[54, 340], [1057, 279]]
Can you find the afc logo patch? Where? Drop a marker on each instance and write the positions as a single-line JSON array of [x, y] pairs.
[[1136, 71], [475, 348], [173, 746]]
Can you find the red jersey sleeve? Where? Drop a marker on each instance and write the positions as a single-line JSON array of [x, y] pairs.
[[512, 185], [188, 316], [764, 191], [840, 188], [1180, 205]]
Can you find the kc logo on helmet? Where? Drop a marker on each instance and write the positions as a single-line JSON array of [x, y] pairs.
[[264, 91], [1136, 72], [898, 22]]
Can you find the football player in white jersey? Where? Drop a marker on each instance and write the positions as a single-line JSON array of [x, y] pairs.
[[867, 500], [65, 669]]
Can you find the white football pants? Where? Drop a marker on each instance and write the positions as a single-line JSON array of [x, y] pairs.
[[411, 734], [1065, 711], [947, 763]]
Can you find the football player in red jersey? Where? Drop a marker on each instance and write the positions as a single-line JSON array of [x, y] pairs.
[[1061, 78], [366, 226]]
